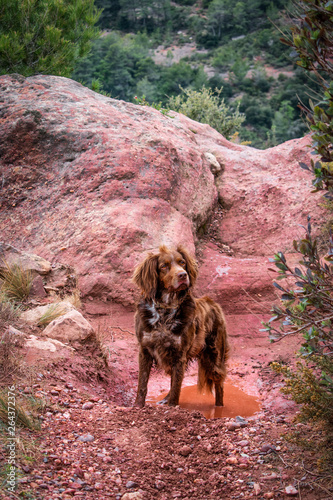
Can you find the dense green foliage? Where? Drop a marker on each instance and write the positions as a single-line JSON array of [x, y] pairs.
[[125, 69], [205, 107], [45, 36], [209, 21], [242, 49], [312, 38]]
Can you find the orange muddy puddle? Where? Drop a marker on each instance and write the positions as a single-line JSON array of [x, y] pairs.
[[236, 402]]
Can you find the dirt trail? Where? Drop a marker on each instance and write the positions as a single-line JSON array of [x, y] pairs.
[[96, 446]]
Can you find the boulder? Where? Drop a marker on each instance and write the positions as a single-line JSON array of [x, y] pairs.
[[10, 256], [95, 182], [42, 352], [34, 316], [268, 198], [72, 327], [51, 345]]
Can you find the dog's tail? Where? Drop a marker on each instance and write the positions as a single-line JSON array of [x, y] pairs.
[[212, 368]]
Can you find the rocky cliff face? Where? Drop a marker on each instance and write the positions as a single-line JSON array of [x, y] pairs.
[[95, 182]]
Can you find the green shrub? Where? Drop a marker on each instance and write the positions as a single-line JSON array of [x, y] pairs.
[[312, 38], [205, 107], [307, 310]]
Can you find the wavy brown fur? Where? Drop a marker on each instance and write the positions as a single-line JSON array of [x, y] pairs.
[[173, 327]]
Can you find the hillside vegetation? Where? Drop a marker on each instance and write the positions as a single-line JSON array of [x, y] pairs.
[[153, 49]]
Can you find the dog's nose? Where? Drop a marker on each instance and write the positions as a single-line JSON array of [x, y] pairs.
[[182, 275]]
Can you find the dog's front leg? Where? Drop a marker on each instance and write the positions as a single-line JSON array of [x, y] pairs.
[[145, 364], [177, 375]]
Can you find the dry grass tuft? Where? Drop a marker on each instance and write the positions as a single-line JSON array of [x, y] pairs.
[[23, 416], [52, 313], [15, 282], [10, 361], [74, 299]]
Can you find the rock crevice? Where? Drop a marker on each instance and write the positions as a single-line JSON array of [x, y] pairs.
[[95, 183]]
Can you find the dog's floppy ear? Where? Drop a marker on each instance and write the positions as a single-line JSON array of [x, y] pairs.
[[191, 265], [146, 276]]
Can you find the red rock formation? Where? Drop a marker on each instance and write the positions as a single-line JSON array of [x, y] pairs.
[[95, 182]]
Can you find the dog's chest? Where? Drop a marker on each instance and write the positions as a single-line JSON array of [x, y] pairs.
[[156, 316], [160, 335]]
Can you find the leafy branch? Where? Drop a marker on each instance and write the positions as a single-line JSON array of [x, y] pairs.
[[312, 38], [308, 306]]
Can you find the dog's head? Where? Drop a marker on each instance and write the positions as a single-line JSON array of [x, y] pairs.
[[169, 271]]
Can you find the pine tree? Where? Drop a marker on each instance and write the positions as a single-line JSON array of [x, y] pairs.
[[45, 36]]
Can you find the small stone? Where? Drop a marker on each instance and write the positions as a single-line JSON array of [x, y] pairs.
[[256, 489], [159, 485], [54, 393], [86, 438], [131, 484], [243, 463], [199, 480], [69, 491], [266, 448], [27, 390], [98, 486], [79, 472], [43, 486], [135, 495], [269, 494], [270, 477], [87, 406], [241, 421], [185, 451], [291, 491], [243, 443], [232, 460], [76, 485], [232, 426]]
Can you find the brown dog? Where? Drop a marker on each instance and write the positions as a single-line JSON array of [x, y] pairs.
[[173, 327]]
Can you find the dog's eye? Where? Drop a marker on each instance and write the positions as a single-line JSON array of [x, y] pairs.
[[182, 263], [163, 266]]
